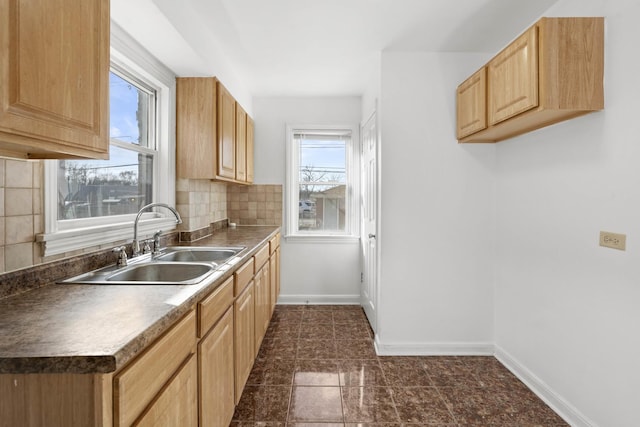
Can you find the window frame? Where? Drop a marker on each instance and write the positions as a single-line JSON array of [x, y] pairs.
[[129, 57], [292, 192]]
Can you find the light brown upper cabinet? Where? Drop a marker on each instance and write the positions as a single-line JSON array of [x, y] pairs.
[[241, 144], [553, 72], [226, 134], [214, 134], [471, 104], [54, 79], [196, 130], [250, 143], [513, 74]]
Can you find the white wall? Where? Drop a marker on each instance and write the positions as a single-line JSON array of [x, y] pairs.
[[314, 272], [437, 218], [567, 310]]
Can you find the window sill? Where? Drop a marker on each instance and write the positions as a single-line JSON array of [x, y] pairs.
[[81, 238], [321, 238]]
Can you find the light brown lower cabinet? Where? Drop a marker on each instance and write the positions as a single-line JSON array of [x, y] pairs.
[[244, 326], [262, 297], [176, 405], [215, 358], [142, 382]]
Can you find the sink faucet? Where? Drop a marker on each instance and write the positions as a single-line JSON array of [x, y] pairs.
[[135, 244]]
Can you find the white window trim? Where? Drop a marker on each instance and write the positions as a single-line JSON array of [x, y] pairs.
[[131, 56], [352, 231]]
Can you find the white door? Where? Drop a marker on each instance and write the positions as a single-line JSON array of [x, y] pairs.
[[369, 203]]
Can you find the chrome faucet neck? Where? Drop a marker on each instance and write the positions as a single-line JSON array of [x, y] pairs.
[[135, 244]]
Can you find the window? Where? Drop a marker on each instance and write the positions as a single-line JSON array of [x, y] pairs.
[[124, 183], [94, 202], [320, 181]]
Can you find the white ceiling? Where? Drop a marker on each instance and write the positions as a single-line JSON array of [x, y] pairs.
[[314, 47]]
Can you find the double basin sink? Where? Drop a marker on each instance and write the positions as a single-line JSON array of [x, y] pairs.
[[175, 265]]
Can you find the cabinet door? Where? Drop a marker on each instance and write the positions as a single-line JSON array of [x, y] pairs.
[[241, 144], [471, 104], [262, 294], [250, 136], [278, 273], [244, 318], [196, 134], [226, 134], [176, 405], [273, 282], [216, 374], [513, 78], [54, 78], [138, 384]]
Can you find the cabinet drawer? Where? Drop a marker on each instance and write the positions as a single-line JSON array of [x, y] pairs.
[[243, 276], [213, 307], [261, 257], [177, 404], [138, 383], [274, 243]]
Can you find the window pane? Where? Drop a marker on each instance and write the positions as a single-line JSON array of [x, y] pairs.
[[322, 159], [124, 183], [130, 111], [91, 188], [322, 207]]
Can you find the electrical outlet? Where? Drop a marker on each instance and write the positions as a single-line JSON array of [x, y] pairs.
[[613, 240]]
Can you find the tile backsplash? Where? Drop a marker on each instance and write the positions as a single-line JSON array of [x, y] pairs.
[[21, 201], [254, 204]]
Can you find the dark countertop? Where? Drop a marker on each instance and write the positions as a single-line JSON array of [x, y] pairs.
[[99, 328]]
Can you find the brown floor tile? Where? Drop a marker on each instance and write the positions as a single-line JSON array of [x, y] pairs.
[[403, 371], [321, 307], [271, 372], [255, 424], [352, 315], [477, 406], [288, 316], [450, 371], [315, 425], [368, 404], [316, 372], [278, 349], [318, 317], [351, 331], [421, 405], [316, 349], [263, 403], [317, 331], [290, 307], [315, 404], [284, 330], [355, 349], [374, 425], [359, 373]]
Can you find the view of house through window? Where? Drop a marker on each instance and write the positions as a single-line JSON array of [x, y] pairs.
[[322, 180], [124, 183]]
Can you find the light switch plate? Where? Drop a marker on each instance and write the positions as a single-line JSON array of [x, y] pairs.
[[613, 240]]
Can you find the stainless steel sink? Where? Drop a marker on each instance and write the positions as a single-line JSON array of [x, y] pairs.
[[148, 273], [199, 254], [163, 272]]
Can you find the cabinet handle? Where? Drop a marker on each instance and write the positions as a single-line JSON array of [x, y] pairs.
[[372, 236]]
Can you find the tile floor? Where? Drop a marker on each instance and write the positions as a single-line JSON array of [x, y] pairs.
[[317, 367]]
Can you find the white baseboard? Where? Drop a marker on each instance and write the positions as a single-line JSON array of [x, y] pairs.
[[319, 299], [556, 402], [434, 349]]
